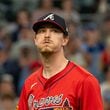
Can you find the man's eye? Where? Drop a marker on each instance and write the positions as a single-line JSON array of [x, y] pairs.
[[41, 31], [56, 30]]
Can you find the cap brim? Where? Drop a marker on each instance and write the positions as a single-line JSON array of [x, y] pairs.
[[38, 24]]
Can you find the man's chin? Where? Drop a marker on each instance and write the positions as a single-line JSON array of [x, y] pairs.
[[46, 51]]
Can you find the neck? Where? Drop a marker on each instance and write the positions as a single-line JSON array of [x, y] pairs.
[[53, 64]]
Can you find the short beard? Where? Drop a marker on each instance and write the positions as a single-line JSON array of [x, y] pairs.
[[46, 54]]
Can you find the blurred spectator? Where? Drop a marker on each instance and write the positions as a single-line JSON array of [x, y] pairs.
[[105, 56], [6, 40], [2, 59], [7, 64], [2, 31], [15, 51], [106, 84], [106, 99], [69, 12], [28, 4], [92, 47], [6, 84], [87, 6], [7, 92], [5, 61], [45, 6], [7, 102], [6, 9], [27, 63], [23, 20], [25, 37], [105, 89], [88, 9], [103, 6], [25, 33], [25, 54], [74, 52], [73, 28], [5, 37], [105, 27]]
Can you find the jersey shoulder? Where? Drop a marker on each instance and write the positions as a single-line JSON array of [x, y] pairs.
[[80, 76], [80, 72]]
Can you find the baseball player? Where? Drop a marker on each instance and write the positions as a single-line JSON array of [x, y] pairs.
[[59, 84]]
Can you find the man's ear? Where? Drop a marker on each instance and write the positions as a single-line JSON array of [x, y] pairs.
[[34, 35], [35, 39], [65, 40], [35, 42]]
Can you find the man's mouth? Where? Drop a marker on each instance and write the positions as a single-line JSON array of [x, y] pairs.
[[47, 41]]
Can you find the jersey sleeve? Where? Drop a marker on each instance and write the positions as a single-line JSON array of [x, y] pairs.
[[90, 97], [22, 104]]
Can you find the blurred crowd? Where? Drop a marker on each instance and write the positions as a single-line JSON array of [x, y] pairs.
[[89, 46]]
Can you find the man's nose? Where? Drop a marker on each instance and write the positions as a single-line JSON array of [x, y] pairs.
[[47, 33]]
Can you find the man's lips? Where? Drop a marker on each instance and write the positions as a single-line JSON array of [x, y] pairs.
[[47, 41]]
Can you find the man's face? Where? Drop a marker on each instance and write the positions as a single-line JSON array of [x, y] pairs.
[[49, 39]]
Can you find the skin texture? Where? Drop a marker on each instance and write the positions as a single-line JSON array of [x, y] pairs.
[[50, 41]]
